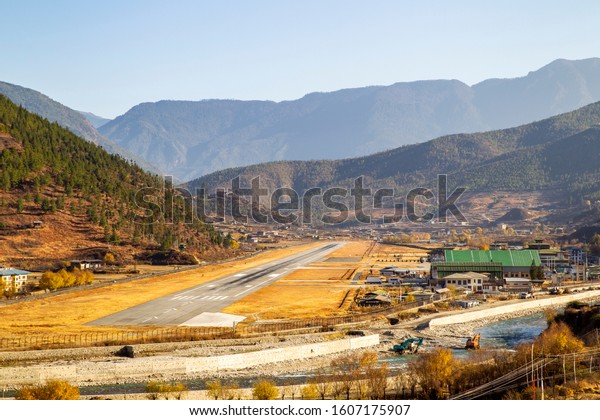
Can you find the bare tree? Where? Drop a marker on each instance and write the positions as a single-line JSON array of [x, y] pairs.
[[377, 380], [322, 384]]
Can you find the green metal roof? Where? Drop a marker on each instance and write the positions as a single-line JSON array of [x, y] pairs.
[[444, 269], [508, 258]]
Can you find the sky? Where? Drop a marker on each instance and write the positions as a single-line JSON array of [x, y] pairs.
[[107, 56]]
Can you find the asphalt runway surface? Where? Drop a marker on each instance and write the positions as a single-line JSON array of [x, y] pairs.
[[183, 307]]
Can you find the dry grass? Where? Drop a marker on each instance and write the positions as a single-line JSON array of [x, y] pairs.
[[351, 250], [317, 274], [398, 249], [386, 255], [279, 301], [68, 313], [300, 294]]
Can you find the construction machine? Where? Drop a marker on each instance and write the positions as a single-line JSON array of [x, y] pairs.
[[408, 346], [473, 343]]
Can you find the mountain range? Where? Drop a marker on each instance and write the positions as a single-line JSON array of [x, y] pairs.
[[188, 139], [77, 122], [559, 153]]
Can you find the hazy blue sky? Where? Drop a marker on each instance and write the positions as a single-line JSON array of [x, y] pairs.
[[107, 56]]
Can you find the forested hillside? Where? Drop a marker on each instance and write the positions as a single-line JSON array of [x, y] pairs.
[[66, 117], [560, 152], [79, 191]]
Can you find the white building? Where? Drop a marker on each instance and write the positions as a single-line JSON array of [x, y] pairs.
[[468, 280], [14, 277]]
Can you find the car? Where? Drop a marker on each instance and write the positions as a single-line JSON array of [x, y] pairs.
[[525, 295]]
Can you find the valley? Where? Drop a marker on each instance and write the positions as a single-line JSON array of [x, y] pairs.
[[322, 231]]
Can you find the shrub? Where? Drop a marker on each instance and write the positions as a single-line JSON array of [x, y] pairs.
[[63, 278], [219, 391], [576, 304], [309, 392], [158, 390], [264, 390], [558, 339], [52, 390], [435, 371]]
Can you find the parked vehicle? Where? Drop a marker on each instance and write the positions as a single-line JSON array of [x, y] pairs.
[[525, 295]]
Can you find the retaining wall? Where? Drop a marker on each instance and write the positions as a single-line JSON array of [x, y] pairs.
[[506, 309], [157, 367]]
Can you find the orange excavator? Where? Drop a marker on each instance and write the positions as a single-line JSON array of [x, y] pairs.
[[473, 343]]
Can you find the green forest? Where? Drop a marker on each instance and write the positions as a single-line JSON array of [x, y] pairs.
[[46, 167]]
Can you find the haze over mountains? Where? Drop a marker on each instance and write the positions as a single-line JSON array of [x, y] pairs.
[[53, 111], [560, 153], [75, 121], [188, 139]]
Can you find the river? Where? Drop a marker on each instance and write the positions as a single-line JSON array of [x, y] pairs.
[[497, 335]]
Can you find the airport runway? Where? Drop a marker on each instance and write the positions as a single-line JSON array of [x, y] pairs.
[[192, 306]]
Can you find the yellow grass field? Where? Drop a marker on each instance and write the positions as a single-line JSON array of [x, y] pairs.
[[300, 294], [69, 312], [317, 274], [280, 301], [352, 250]]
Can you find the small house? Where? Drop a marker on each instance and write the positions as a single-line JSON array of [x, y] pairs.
[[373, 280], [376, 298], [87, 264], [470, 280], [394, 281], [515, 284], [13, 277], [466, 304], [390, 271]]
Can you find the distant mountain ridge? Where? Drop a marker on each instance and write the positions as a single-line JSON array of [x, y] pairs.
[[560, 153], [94, 119], [188, 139], [75, 121], [53, 111]]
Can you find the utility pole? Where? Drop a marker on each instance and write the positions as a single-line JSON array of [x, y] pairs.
[[542, 378], [532, 375]]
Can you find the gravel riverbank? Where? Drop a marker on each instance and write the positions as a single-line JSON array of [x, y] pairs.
[[448, 336]]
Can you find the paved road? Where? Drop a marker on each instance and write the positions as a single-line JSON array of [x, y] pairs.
[[209, 298]]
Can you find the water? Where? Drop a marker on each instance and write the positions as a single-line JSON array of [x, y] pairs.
[[512, 332], [507, 334], [502, 334]]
